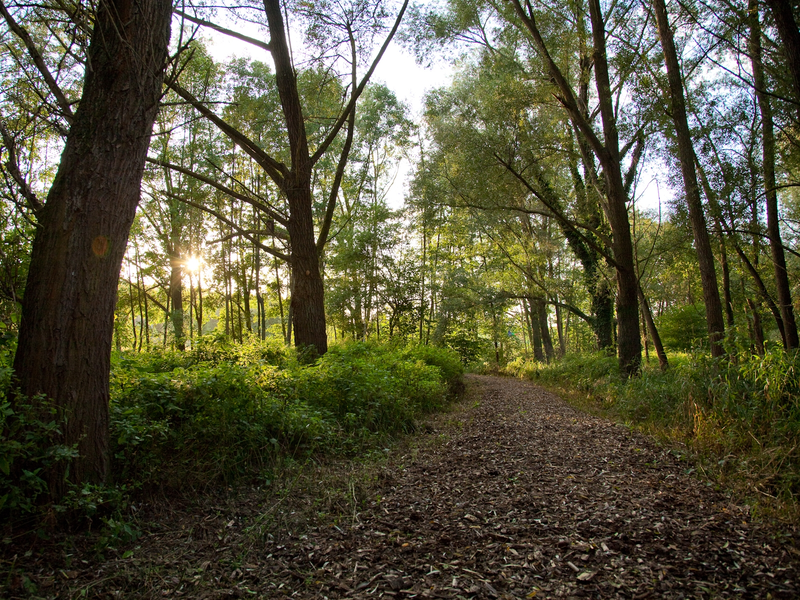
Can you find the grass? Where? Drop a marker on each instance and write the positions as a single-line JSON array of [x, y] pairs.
[[738, 419]]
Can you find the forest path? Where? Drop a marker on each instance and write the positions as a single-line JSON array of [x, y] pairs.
[[513, 494], [524, 494]]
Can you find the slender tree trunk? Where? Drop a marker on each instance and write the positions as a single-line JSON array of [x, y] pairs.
[[629, 342], [756, 329], [716, 213], [422, 302], [133, 312], [547, 340], [790, 39], [246, 283], [280, 302], [176, 296], [289, 319], [538, 350], [166, 319], [726, 281], [199, 304], [663, 363], [773, 224], [562, 347], [191, 313], [702, 242], [67, 322]]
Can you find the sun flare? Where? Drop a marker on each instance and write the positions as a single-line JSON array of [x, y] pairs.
[[193, 264]]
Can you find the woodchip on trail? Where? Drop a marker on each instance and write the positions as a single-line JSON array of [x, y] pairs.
[[527, 497], [512, 495]]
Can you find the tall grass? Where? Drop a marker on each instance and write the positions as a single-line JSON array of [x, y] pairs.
[[739, 417]]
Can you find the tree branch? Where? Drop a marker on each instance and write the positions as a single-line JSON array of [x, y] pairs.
[[232, 225], [222, 188], [276, 170], [229, 32], [36, 56]]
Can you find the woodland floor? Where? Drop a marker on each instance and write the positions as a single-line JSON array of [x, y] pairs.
[[513, 494]]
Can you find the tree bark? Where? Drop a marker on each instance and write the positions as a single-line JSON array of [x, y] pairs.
[[538, 351], [663, 363], [176, 298], [702, 242], [547, 340], [629, 344], [773, 223], [790, 39], [307, 302], [66, 330]]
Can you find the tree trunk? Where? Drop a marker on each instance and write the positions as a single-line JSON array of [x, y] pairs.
[[67, 322], [547, 340], [307, 303], [790, 39], [756, 329], [176, 298], [702, 242], [663, 363], [308, 296], [536, 331], [773, 223], [629, 343]]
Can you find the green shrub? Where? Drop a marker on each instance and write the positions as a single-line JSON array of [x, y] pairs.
[[230, 413], [29, 431], [682, 327]]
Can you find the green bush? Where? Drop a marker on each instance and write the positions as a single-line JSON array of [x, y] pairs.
[[229, 414], [682, 327], [224, 411], [29, 431]]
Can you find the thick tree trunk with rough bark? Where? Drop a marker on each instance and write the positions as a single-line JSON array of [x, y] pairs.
[[308, 299], [68, 309], [773, 223], [308, 296], [702, 241]]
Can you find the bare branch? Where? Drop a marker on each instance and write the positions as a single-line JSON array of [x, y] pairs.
[[242, 232], [229, 32], [13, 169], [276, 170], [223, 188]]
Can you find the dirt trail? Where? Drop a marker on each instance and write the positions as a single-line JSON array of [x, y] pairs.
[[514, 495]]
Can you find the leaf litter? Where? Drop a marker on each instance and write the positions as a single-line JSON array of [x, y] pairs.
[[514, 494]]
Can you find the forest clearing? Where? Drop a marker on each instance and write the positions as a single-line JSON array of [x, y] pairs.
[[274, 315]]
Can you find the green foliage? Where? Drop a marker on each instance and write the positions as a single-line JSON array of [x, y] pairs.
[[682, 327], [219, 413], [582, 371], [29, 430], [232, 413]]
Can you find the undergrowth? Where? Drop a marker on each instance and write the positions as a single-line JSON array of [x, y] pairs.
[[223, 413], [738, 418]]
